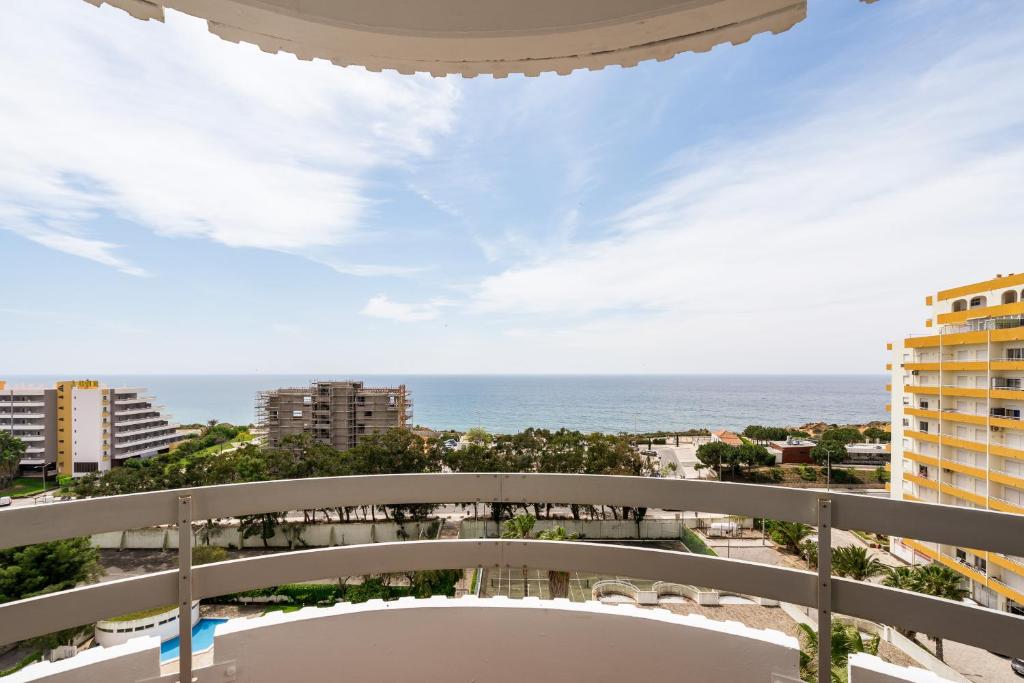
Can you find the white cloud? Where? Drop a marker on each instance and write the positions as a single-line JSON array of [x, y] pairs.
[[188, 135], [381, 306], [888, 183]]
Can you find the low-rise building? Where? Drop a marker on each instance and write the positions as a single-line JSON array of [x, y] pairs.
[[867, 453], [792, 451], [727, 437]]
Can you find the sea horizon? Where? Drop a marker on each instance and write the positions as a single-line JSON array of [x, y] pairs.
[[511, 402]]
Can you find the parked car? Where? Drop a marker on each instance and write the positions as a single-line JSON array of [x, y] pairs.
[[1017, 664], [5, 501]]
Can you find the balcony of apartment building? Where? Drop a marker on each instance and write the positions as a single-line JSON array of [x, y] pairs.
[[565, 641], [132, 400], [125, 433], [151, 416], [139, 410]]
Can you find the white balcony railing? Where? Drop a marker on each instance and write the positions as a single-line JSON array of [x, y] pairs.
[[965, 527]]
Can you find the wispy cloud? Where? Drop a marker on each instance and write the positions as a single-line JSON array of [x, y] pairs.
[[880, 173], [381, 306], [190, 136]]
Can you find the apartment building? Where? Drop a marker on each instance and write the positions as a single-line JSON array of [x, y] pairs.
[[338, 414], [83, 426], [958, 439], [30, 414]]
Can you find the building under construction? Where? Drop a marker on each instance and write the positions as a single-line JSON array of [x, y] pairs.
[[338, 414]]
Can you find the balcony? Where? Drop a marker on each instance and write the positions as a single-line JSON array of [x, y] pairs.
[[567, 637], [144, 430]]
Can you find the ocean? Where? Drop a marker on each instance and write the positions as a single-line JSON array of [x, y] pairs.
[[508, 403]]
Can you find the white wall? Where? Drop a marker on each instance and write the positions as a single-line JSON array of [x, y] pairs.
[[500, 640], [87, 427], [313, 535], [136, 660], [110, 633], [864, 668], [597, 529]]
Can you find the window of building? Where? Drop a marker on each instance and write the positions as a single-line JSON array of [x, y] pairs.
[[87, 466], [922, 471], [1010, 297], [960, 305], [923, 427], [978, 302], [368, 413], [307, 400], [296, 413], [1015, 354], [923, 405]]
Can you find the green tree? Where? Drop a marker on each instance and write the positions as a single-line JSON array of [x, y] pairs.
[[829, 452], [843, 435], [558, 581], [790, 535], [902, 578], [717, 455], [434, 582], [883, 435], [520, 526], [846, 640], [853, 562], [941, 582], [11, 451], [479, 435], [32, 570]]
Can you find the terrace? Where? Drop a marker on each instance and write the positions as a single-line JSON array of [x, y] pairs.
[[256, 650]]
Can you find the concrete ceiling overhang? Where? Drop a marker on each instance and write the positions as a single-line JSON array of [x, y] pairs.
[[473, 37]]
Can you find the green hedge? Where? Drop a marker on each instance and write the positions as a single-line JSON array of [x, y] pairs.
[[695, 544]]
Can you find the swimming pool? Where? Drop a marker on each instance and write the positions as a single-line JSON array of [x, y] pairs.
[[202, 639]]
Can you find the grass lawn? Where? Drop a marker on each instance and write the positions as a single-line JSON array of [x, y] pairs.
[[244, 437], [26, 486]]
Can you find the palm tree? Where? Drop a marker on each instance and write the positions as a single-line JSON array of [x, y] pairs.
[[11, 450], [853, 562], [558, 582], [789, 534], [846, 640], [941, 582], [520, 526], [902, 578]]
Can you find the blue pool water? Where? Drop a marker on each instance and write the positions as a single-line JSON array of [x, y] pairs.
[[202, 639]]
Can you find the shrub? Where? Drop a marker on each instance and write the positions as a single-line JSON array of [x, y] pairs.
[[205, 554], [807, 473], [695, 544], [882, 475]]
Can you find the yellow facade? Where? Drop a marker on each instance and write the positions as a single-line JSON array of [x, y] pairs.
[[65, 421], [957, 406]]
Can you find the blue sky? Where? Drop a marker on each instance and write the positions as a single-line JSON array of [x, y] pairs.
[[172, 203]]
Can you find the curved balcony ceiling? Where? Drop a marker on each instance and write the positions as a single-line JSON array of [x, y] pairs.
[[472, 37]]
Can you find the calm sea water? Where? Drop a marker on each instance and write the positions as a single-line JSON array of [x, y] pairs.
[[507, 403]]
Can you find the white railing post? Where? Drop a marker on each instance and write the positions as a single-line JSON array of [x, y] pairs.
[[824, 590], [184, 520]]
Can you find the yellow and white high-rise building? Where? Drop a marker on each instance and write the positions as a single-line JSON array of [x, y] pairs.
[[83, 426], [958, 437]]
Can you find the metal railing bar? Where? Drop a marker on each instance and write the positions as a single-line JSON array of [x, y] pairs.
[[968, 624], [44, 614], [824, 586], [184, 521], [989, 629], [983, 529], [61, 520]]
